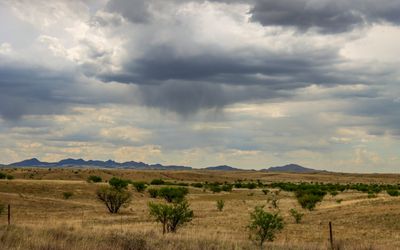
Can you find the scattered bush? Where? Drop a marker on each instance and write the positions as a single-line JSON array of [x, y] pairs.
[[113, 198], [197, 185], [308, 198], [67, 195], [171, 216], [393, 192], [157, 182], [227, 188], [139, 186], [94, 178], [339, 201], [3, 175], [265, 191], [263, 225], [297, 216], [371, 195], [9, 177], [118, 183], [215, 188], [153, 192], [334, 193], [220, 205], [173, 194]]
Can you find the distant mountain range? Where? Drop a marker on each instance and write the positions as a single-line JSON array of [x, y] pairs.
[[291, 168], [96, 164], [224, 168], [143, 166]]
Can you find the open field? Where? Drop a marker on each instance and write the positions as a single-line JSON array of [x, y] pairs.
[[43, 219]]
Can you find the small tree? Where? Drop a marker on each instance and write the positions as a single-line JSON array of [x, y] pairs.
[[139, 186], [296, 215], [220, 205], [171, 216], [263, 225], [160, 212], [173, 194], [113, 198], [118, 183], [94, 178]]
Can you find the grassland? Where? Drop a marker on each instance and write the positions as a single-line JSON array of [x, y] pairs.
[[43, 219]]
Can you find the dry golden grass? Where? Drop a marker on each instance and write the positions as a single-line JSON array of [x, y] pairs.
[[43, 219]]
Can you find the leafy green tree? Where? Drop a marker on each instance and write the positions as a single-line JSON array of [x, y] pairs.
[[94, 178], [171, 216], [139, 186], [173, 194], [113, 198], [263, 225], [118, 183]]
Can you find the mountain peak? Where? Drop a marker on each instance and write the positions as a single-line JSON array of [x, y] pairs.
[[291, 168]]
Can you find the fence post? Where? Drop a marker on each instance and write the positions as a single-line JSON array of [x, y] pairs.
[[9, 214], [331, 235]]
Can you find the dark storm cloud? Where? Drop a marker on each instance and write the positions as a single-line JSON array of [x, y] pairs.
[[34, 90], [215, 78], [324, 15]]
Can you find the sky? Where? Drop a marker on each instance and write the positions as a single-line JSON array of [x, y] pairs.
[[246, 83]]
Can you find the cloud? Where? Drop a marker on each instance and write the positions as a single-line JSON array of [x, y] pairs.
[[325, 16]]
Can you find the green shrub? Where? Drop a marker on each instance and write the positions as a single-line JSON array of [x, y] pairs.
[[118, 183], [197, 185], [3, 175], [173, 194], [263, 225], [334, 193], [157, 182], [94, 178], [153, 192], [113, 198], [297, 216], [227, 188], [9, 177], [220, 205], [139, 186], [171, 216], [339, 201], [215, 188], [393, 192], [308, 198], [67, 195]]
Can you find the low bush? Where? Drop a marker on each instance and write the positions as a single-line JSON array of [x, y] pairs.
[[118, 183], [94, 178], [139, 186], [113, 198], [393, 192], [3, 175], [173, 194], [153, 192], [171, 216], [197, 185], [157, 182], [263, 225], [308, 198]]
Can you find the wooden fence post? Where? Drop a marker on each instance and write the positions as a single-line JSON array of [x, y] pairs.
[[331, 235], [9, 214]]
